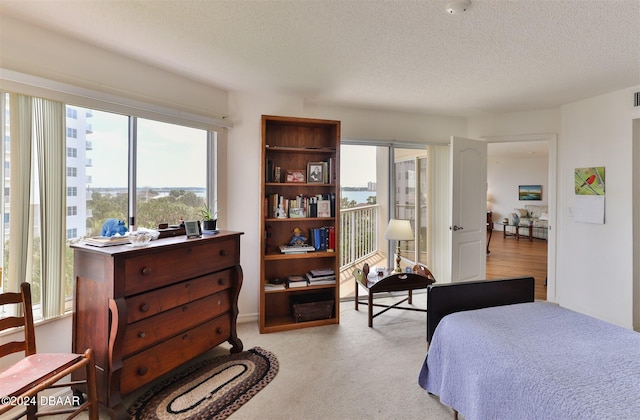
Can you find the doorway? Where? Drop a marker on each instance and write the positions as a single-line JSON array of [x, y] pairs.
[[511, 162], [380, 181]]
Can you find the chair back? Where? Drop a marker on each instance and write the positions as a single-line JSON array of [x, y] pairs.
[[18, 304]]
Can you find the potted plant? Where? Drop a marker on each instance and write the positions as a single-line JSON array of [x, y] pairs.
[[209, 217]]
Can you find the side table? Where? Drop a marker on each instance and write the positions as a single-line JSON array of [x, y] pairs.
[[519, 229], [389, 281]]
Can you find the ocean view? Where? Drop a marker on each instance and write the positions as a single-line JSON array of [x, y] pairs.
[[357, 196]]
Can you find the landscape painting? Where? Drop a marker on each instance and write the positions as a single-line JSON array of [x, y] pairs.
[[530, 192]]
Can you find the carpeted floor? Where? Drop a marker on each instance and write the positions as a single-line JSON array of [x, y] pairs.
[[345, 371]]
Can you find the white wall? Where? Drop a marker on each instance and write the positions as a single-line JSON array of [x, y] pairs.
[[505, 174], [244, 177], [595, 261], [32, 50]]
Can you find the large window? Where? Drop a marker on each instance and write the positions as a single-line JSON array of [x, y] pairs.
[[142, 171], [171, 173]]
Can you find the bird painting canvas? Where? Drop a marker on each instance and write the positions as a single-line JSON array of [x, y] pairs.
[[589, 181]]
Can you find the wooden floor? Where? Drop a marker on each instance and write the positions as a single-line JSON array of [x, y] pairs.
[[508, 258], [511, 258]]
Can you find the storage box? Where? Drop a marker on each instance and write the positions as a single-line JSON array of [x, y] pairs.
[[311, 306]]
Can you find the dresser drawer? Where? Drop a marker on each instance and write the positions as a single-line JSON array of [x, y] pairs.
[[152, 330], [145, 366], [149, 304], [152, 270]]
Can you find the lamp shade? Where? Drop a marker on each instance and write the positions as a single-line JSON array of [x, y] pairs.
[[399, 230]]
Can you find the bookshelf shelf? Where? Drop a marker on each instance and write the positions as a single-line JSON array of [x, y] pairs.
[[296, 144]]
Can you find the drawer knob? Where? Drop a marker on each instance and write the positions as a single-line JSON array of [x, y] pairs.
[[219, 330], [184, 337], [144, 307], [142, 334], [222, 281], [146, 271], [223, 252], [185, 308], [142, 370]]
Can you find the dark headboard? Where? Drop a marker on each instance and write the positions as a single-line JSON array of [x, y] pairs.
[[444, 299]]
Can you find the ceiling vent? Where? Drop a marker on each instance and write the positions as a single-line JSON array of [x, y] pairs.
[[636, 99]]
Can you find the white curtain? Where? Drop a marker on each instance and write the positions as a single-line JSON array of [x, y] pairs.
[[37, 130], [21, 212], [49, 131]]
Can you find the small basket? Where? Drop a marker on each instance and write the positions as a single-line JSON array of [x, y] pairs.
[[311, 307]]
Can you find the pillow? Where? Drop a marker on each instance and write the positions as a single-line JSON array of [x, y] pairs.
[[521, 212], [544, 216]]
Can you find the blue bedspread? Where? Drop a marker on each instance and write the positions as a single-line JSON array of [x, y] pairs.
[[533, 361]]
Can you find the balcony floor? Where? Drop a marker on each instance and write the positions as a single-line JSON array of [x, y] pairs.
[[347, 282]]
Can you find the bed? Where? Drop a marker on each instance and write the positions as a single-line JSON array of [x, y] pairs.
[[494, 357]]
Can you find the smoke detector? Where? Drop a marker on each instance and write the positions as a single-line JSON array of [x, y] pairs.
[[458, 6]]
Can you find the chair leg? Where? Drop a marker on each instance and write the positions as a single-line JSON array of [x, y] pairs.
[[32, 409], [92, 392], [370, 313]]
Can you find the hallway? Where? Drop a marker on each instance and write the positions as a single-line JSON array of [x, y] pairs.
[[511, 258]]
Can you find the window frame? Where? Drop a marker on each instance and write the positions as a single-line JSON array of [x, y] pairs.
[[93, 100]]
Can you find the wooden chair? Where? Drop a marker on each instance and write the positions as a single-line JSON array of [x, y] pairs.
[[22, 381]]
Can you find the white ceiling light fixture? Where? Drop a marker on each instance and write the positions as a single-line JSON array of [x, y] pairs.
[[458, 6]]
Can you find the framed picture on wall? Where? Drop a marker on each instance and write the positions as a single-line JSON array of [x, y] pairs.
[[530, 192]]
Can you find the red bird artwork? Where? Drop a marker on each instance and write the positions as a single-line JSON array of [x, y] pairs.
[[589, 181]]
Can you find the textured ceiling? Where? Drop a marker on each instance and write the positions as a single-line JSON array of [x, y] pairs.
[[498, 56]]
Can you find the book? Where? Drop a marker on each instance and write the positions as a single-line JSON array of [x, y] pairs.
[[106, 240], [320, 272], [321, 282], [269, 286], [313, 278], [296, 281], [296, 249]]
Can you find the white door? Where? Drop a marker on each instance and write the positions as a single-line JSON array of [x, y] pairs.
[[468, 209]]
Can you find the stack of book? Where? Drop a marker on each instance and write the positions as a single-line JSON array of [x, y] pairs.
[[296, 281], [102, 241], [321, 276], [296, 249]]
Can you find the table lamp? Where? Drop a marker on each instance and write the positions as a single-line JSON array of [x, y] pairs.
[[399, 230]]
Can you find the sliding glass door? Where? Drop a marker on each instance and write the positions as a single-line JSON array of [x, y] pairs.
[[380, 182]]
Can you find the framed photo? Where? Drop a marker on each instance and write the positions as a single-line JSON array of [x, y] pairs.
[[324, 208], [297, 212], [192, 229], [315, 172], [530, 192], [295, 175]]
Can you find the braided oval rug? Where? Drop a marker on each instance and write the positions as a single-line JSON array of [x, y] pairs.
[[211, 389]]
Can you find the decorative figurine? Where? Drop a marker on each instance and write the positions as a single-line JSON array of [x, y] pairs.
[[280, 213], [111, 227], [297, 238]]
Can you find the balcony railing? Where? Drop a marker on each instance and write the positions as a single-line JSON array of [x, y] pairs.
[[358, 234]]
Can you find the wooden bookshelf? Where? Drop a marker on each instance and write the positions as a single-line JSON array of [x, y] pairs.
[[291, 144]]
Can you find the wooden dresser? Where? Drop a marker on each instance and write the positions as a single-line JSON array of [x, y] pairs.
[[147, 310]]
